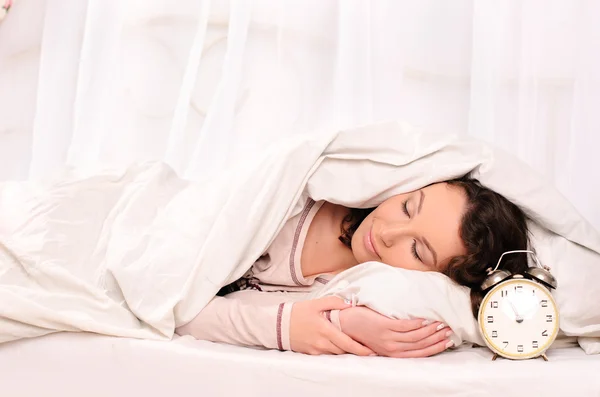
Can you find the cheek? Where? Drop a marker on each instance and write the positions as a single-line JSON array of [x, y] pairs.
[[398, 260], [402, 258]]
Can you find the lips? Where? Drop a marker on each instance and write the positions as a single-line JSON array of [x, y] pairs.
[[369, 244]]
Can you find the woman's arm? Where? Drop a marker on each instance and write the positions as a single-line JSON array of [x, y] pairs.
[[269, 319], [245, 318]]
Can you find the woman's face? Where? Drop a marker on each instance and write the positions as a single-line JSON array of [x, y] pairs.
[[418, 230]]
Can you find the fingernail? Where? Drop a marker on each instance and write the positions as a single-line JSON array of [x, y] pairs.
[[425, 323], [449, 344], [448, 333], [440, 327]]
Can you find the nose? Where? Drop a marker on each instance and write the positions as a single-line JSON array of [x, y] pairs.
[[393, 233]]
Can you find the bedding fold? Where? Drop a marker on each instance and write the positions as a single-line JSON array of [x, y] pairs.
[[138, 252]]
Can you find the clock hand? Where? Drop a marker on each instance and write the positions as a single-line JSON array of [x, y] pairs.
[[518, 317]]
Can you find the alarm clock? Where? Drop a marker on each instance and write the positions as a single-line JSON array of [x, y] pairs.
[[518, 317]]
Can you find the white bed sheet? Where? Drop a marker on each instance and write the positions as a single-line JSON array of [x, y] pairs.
[[89, 365]]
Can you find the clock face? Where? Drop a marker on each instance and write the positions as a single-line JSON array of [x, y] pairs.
[[518, 319]]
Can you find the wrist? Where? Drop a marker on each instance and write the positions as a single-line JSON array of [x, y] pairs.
[[334, 318], [344, 321]]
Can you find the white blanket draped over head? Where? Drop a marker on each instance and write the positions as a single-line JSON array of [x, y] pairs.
[[138, 252]]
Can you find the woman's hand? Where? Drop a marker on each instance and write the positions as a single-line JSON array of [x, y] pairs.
[[312, 333], [394, 338]]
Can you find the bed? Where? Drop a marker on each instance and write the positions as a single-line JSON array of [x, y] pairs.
[[91, 365]]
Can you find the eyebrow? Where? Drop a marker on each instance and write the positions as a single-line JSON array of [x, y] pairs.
[[421, 201]]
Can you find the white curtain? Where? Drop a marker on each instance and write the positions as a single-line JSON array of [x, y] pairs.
[[203, 83]]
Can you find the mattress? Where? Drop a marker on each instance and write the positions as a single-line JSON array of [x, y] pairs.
[[90, 365]]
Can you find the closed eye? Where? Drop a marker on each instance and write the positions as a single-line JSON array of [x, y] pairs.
[[414, 251], [405, 208]]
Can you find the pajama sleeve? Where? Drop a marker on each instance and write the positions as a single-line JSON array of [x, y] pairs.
[[247, 318]]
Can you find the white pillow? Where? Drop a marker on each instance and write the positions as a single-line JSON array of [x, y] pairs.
[[406, 294], [397, 158], [563, 240], [577, 270]]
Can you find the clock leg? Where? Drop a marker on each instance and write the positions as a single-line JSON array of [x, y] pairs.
[[495, 357], [545, 357]]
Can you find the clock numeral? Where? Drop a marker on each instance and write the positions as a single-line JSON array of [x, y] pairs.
[[490, 319], [544, 303], [503, 293], [545, 332], [494, 304], [520, 348], [534, 344], [494, 334], [518, 288], [548, 318], [505, 344], [533, 291]]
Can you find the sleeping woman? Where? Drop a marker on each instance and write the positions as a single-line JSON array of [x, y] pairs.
[[457, 228]]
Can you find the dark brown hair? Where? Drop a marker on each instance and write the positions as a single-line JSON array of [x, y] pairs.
[[351, 222], [491, 225]]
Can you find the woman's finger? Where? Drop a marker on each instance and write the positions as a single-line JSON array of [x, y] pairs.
[[346, 343], [331, 303], [419, 334], [331, 348], [408, 325], [427, 352], [439, 336]]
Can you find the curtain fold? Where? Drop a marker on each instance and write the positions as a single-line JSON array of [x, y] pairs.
[[202, 84]]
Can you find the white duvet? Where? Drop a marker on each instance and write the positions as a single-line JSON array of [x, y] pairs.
[[140, 251]]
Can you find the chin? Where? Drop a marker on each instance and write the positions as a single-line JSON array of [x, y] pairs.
[[360, 258]]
